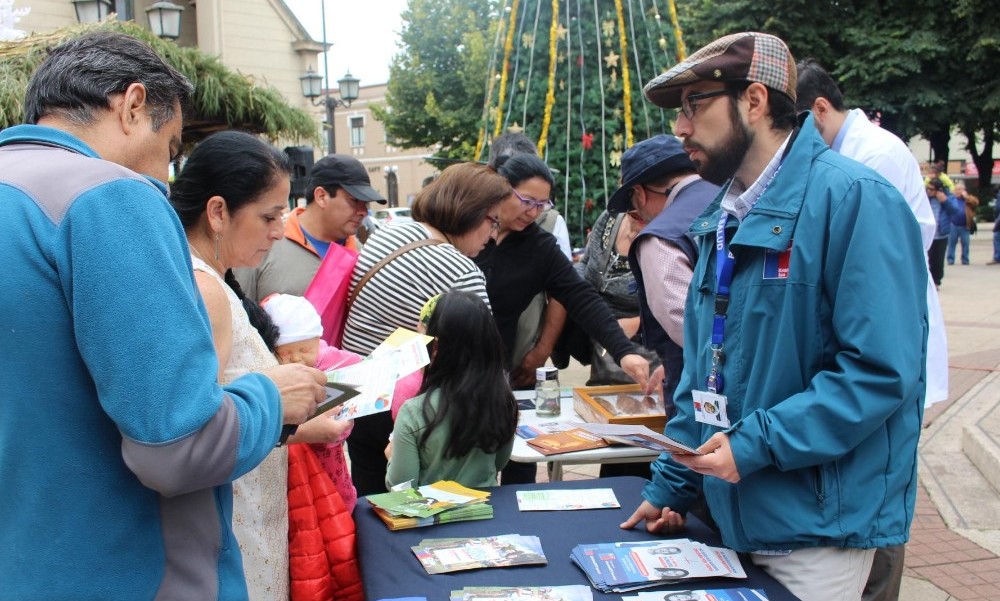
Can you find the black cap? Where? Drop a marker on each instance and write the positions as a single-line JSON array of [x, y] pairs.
[[646, 161], [346, 172]]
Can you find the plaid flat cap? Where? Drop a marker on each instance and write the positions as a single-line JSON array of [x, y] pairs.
[[748, 56]]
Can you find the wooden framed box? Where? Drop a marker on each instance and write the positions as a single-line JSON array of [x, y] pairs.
[[619, 405]]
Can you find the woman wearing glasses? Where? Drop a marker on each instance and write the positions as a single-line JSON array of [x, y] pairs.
[[453, 219], [525, 260]]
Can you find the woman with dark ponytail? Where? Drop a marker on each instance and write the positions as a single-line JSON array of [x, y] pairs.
[[230, 197]]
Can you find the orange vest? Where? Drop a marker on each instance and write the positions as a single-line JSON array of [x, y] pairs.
[[293, 231]]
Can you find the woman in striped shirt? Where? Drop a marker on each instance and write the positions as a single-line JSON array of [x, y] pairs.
[[454, 218]]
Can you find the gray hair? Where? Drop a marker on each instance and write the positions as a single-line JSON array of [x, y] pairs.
[[508, 144], [81, 75]]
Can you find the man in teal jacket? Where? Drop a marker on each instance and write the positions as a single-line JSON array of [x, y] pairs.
[[117, 446], [805, 333]]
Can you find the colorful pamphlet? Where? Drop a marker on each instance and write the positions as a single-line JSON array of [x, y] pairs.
[[531, 430], [573, 592], [626, 566], [437, 503], [639, 436], [375, 378], [566, 500], [722, 594], [441, 555], [410, 348]]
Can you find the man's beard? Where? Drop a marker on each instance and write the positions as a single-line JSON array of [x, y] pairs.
[[723, 161]]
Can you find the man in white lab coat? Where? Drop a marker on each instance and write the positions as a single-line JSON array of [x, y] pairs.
[[852, 134]]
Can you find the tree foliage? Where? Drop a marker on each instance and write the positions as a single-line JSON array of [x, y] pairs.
[[436, 81], [921, 66], [924, 67], [444, 86], [223, 98]]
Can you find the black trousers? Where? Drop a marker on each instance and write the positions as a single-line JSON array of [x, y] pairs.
[[886, 575], [935, 259], [366, 447]]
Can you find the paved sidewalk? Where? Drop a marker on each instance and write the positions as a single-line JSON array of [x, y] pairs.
[[954, 551]]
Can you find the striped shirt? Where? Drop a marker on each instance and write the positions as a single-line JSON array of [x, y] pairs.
[[393, 297]]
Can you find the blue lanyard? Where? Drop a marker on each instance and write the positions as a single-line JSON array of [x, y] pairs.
[[725, 262]]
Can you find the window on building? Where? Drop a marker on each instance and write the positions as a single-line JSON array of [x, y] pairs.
[[357, 131]]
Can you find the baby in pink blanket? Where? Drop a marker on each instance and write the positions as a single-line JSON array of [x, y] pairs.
[[299, 341]]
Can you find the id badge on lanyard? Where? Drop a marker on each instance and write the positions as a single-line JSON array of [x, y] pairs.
[[710, 404]]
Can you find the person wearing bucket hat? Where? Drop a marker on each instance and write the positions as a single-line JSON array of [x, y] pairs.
[[663, 193], [337, 198], [805, 331]]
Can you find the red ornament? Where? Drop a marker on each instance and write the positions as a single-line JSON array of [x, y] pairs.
[[587, 140], [579, 60], [589, 205]]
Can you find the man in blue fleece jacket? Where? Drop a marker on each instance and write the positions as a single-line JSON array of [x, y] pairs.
[[117, 446]]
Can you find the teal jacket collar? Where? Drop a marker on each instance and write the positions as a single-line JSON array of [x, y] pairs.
[[772, 221]]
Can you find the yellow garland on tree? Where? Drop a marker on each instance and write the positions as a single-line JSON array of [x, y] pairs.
[[550, 95], [507, 48], [681, 49], [626, 87]]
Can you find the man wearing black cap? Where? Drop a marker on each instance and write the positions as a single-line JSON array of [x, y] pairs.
[[662, 192], [805, 332], [336, 202]]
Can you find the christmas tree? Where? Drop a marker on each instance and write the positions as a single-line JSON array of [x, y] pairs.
[[569, 74]]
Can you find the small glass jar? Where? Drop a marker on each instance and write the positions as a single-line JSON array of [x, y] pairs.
[[547, 391]]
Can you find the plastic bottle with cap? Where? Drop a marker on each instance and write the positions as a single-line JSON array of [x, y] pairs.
[[547, 391]]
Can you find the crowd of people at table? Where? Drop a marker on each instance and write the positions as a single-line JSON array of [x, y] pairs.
[[163, 350]]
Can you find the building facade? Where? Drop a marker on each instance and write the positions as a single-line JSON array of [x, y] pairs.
[[398, 173]]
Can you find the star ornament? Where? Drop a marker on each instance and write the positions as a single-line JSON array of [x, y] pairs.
[[561, 32], [611, 60]]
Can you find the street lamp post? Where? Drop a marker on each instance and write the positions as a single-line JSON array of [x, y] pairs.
[[312, 88]]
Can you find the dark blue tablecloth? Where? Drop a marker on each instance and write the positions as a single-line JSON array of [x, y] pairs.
[[389, 568]]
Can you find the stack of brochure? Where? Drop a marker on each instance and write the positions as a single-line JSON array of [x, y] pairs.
[[721, 594], [621, 567], [438, 503], [573, 592], [440, 555]]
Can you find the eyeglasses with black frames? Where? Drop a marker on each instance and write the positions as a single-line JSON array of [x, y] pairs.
[[690, 103], [531, 203]]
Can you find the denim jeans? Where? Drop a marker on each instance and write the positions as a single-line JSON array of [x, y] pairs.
[[996, 246], [958, 233]]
